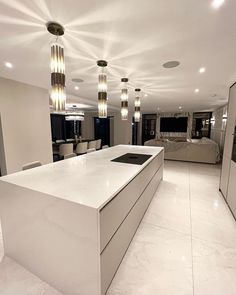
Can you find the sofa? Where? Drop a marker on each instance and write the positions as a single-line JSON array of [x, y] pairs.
[[202, 150]]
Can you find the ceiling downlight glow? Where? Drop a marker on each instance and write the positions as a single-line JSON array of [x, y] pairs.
[[76, 87], [202, 70], [217, 3], [196, 90], [8, 65]]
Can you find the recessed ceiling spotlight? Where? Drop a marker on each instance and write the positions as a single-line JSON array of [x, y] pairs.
[[217, 3], [171, 64], [196, 90], [180, 108], [202, 70], [77, 80], [146, 95], [76, 87], [8, 65]]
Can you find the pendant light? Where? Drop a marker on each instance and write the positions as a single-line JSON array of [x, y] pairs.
[[102, 90], [124, 99], [137, 104], [58, 93]]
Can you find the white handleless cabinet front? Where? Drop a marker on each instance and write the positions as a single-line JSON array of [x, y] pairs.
[[73, 234], [231, 199]]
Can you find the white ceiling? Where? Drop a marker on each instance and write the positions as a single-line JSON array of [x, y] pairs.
[[135, 37]]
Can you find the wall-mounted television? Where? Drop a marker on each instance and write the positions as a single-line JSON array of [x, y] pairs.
[[174, 124]]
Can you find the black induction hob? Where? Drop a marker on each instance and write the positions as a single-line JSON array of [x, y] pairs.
[[130, 158]]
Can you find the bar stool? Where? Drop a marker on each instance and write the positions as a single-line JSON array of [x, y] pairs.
[[81, 148], [98, 144], [65, 149], [92, 144]]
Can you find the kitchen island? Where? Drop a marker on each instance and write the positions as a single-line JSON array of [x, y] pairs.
[[71, 222]]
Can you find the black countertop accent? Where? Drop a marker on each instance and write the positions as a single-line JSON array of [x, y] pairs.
[[130, 158]]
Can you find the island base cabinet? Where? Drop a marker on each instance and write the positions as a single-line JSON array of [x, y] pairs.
[[72, 242], [114, 252]]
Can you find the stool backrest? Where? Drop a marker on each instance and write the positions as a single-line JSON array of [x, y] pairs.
[[92, 144], [66, 148], [98, 144], [81, 148]]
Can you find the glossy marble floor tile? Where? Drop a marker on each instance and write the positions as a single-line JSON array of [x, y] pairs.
[[15, 280], [185, 245], [159, 261], [214, 268]]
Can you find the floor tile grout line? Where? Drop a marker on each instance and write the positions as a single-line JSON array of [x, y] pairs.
[[167, 229], [191, 228]]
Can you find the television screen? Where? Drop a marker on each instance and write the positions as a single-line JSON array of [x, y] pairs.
[[174, 124]]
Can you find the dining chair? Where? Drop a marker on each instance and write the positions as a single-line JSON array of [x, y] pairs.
[[92, 144], [72, 155], [105, 147], [81, 148], [65, 149], [31, 165], [98, 144]]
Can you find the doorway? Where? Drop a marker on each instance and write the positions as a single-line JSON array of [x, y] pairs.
[[134, 132], [201, 125], [102, 130], [148, 127]]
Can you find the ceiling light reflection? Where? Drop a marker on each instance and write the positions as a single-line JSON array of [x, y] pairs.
[[8, 65], [217, 3]]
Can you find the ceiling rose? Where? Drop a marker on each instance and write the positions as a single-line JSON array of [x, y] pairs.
[[77, 80], [55, 28], [171, 64]]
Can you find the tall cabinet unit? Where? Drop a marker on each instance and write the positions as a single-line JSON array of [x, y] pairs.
[[228, 174]]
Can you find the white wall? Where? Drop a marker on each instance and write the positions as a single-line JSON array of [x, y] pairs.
[[218, 127], [226, 165], [25, 125], [121, 134]]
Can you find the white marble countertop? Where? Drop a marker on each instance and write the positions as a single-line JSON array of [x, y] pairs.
[[90, 180]]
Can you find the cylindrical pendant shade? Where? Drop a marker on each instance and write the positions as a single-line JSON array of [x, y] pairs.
[[102, 90], [124, 99], [58, 93], [137, 104]]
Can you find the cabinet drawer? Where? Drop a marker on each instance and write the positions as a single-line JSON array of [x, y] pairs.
[[149, 171], [112, 215], [112, 255]]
